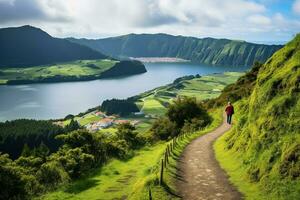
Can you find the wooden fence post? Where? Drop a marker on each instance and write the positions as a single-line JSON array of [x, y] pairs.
[[161, 172], [150, 195], [166, 157]]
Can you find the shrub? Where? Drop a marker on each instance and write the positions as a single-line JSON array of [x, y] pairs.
[[184, 110], [52, 174], [164, 129]]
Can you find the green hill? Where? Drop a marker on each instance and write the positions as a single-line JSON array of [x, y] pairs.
[[262, 152], [206, 50], [29, 46]]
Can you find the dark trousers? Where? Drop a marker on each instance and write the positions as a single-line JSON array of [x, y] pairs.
[[229, 118]]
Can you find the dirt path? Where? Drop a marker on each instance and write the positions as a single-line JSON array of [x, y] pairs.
[[202, 177]]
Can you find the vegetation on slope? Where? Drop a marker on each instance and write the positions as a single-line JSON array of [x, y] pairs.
[[16, 134], [207, 50], [262, 152], [28, 46], [125, 68], [122, 107]]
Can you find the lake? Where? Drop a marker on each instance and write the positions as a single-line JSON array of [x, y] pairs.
[[56, 100]]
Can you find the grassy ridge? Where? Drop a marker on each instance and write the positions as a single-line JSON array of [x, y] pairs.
[[262, 152]]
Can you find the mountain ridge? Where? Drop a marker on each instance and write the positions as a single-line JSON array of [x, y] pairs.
[[200, 50]]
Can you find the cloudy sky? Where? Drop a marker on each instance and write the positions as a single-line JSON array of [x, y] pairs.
[[251, 20]]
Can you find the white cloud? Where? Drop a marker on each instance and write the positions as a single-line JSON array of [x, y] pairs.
[[94, 18], [259, 20], [296, 7]]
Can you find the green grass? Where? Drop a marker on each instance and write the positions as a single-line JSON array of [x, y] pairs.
[[115, 180], [153, 106], [75, 68], [3, 82], [88, 118]]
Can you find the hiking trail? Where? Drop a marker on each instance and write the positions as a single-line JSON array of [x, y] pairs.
[[202, 176]]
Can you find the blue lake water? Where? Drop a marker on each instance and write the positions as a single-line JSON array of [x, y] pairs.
[[56, 100]]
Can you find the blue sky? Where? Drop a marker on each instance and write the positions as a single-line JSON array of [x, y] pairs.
[[251, 20]]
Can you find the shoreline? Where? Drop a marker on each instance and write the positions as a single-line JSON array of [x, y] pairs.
[[159, 59]]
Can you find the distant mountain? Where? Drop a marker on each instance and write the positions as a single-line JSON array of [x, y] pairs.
[[29, 46], [206, 50]]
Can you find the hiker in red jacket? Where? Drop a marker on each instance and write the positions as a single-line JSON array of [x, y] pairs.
[[229, 111]]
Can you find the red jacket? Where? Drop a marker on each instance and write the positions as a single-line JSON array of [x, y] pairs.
[[229, 110]]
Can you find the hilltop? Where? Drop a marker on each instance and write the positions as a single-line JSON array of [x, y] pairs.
[[29, 46]]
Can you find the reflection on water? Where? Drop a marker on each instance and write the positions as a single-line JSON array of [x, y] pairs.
[[56, 100]]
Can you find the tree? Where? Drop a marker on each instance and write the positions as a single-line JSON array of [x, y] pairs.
[[73, 125], [185, 109], [127, 132], [12, 184], [52, 173], [42, 151], [164, 129], [74, 161], [26, 151], [120, 107]]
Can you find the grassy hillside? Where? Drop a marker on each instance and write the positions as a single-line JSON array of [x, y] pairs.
[[206, 50], [29, 46], [262, 152]]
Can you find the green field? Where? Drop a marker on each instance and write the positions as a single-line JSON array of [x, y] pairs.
[[155, 101], [75, 68]]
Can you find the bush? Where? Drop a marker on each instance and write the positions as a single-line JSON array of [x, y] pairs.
[[74, 161], [12, 184], [193, 125], [52, 174], [127, 132], [164, 129], [184, 110]]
